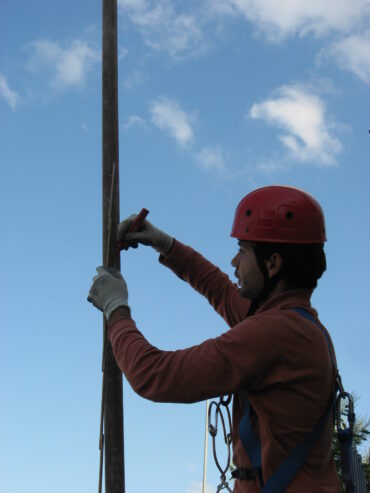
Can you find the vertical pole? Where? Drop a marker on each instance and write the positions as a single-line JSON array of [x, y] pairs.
[[113, 397], [204, 483]]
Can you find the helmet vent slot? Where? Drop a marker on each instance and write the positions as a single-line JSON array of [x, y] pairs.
[[248, 212], [289, 215]]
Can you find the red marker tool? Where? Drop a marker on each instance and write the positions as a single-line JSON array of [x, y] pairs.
[[135, 226]]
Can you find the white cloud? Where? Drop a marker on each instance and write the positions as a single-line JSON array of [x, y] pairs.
[[164, 28], [353, 54], [301, 115], [134, 120], [190, 466], [122, 52], [9, 96], [183, 29], [197, 487], [168, 116], [68, 66], [271, 166], [279, 19], [211, 158], [135, 78]]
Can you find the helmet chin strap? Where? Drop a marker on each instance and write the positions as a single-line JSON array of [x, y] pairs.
[[268, 283]]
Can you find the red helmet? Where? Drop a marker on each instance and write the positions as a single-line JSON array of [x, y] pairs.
[[279, 214]]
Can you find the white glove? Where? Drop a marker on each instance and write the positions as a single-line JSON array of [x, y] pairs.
[[147, 235], [108, 291]]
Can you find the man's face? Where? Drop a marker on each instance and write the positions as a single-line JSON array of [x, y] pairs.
[[250, 277]]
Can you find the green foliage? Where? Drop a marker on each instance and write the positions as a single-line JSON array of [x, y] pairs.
[[361, 433]]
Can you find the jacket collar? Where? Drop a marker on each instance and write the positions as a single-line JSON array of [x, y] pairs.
[[288, 299]]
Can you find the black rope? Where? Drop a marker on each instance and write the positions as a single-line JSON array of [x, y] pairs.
[[220, 411]]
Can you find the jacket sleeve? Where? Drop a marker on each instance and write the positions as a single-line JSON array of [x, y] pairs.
[[241, 358], [208, 280]]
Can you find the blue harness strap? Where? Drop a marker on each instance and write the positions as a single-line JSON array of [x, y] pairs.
[[249, 439], [288, 469], [309, 317]]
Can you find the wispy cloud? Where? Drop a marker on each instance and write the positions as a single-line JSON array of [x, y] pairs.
[[270, 166], [9, 95], [134, 120], [122, 52], [211, 158], [168, 116], [197, 487], [166, 28], [278, 20], [182, 28], [352, 53], [186, 29], [135, 78], [66, 67], [301, 114]]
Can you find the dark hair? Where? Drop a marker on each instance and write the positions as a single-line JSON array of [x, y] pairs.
[[303, 264]]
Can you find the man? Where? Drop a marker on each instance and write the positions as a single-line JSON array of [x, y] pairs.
[[276, 358]]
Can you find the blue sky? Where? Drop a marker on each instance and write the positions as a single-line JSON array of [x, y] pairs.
[[216, 98]]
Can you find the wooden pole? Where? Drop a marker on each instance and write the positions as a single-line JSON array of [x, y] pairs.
[[112, 404]]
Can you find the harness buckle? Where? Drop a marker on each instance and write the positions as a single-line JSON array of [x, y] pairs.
[[245, 474]]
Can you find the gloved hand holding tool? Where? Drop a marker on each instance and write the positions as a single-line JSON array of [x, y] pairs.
[[146, 235], [108, 291]]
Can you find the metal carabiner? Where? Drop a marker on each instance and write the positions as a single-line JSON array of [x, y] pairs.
[[212, 429], [225, 400], [340, 410], [224, 485]]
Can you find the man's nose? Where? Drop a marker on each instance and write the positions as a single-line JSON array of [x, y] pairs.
[[234, 261]]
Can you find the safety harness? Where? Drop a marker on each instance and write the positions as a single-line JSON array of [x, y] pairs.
[[352, 469]]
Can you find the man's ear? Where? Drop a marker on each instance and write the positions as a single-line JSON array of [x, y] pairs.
[[274, 264]]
